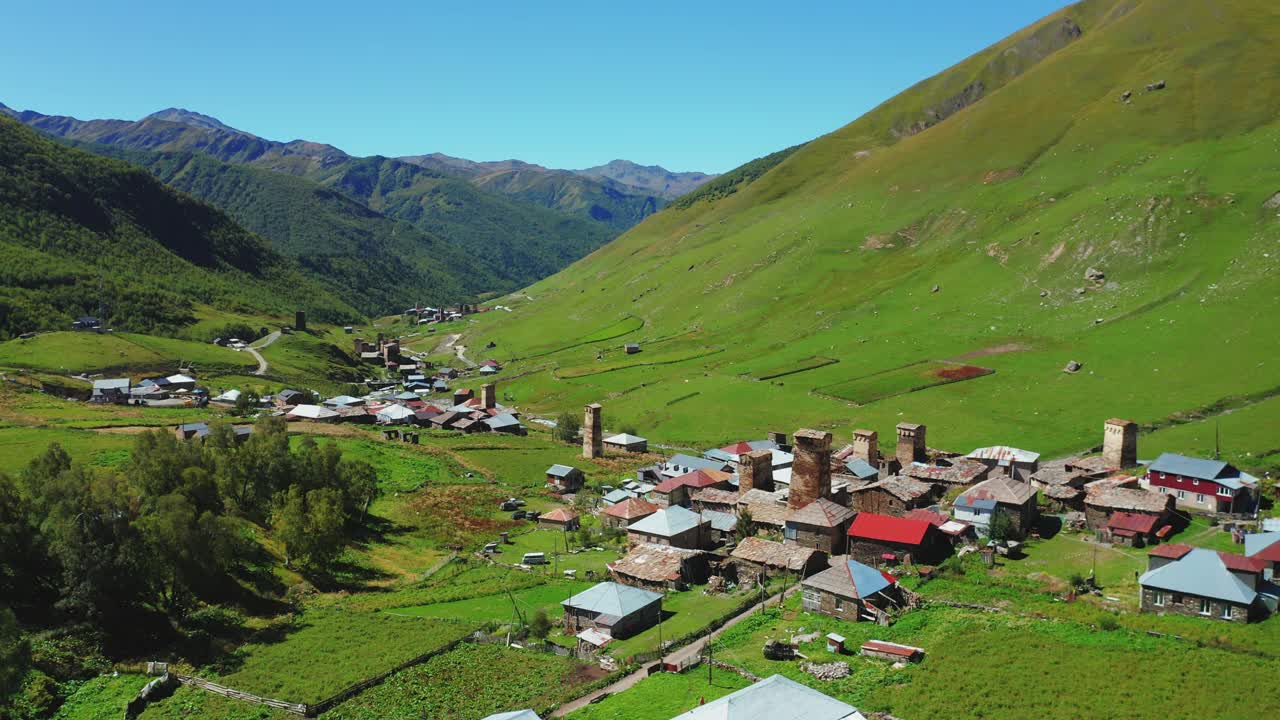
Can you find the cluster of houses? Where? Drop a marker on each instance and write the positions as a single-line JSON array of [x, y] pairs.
[[461, 410], [839, 520], [773, 698], [426, 315], [178, 390]]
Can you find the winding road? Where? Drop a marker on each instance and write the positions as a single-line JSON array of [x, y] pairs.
[[259, 344]]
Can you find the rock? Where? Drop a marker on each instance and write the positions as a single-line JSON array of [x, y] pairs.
[[1095, 275], [1073, 367], [1079, 291], [826, 671], [1097, 321], [1044, 293], [1127, 94], [936, 288], [1273, 203], [1156, 86]]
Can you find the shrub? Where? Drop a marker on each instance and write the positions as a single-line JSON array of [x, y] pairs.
[[1109, 623], [567, 427]]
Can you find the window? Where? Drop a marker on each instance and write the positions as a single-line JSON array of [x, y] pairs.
[[1199, 497], [1157, 598], [1222, 490], [1182, 494], [1206, 607], [1226, 611], [839, 604], [790, 533], [810, 599], [1195, 482], [1164, 490]]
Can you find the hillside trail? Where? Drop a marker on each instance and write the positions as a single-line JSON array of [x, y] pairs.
[[676, 657], [258, 345]]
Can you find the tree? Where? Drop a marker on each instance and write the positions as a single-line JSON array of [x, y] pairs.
[[15, 654], [247, 402], [1001, 527], [540, 625], [310, 524], [567, 427], [743, 528], [360, 486], [188, 551]]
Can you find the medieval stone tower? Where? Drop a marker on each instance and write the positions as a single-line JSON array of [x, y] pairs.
[[1120, 443], [911, 447], [592, 437], [866, 446], [811, 469], [755, 471], [489, 395]]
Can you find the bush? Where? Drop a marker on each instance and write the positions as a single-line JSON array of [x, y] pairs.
[[567, 427], [1109, 624]]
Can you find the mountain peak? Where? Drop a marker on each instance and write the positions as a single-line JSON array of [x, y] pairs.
[[187, 117]]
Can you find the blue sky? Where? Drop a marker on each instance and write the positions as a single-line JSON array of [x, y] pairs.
[[688, 85]]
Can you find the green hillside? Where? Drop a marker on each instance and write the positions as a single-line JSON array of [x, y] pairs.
[[376, 264], [520, 241], [79, 233], [958, 221]]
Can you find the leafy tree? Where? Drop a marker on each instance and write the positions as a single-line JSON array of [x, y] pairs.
[[567, 427], [1001, 527], [247, 403], [310, 524], [743, 527], [15, 654], [188, 550], [540, 625], [22, 562], [360, 483]]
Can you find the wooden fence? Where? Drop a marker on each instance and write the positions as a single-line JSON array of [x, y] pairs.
[[223, 690]]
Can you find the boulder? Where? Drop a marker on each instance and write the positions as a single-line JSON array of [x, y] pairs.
[[1127, 94], [1073, 367], [935, 288], [1273, 203], [1095, 275], [1159, 85], [1044, 293], [1079, 291]]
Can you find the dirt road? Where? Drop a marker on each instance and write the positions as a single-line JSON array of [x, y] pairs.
[[258, 345]]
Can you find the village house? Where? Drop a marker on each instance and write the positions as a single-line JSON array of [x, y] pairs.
[[714, 499], [957, 532], [1265, 546], [724, 526], [767, 510], [894, 495], [626, 443], [623, 514], [755, 559], [853, 591], [86, 323], [1008, 461], [776, 698], [822, 525], [952, 472], [504, 423], [1133, 529], [114, 390], [729, 454], [1211, 485], [676, 491], [617, 610], [681, 464], [312, 413], [1015, 500], [1198, 582], [1103, 499], [877, 538], [674, 526], [661, 567], [565, 479], [559, 519]]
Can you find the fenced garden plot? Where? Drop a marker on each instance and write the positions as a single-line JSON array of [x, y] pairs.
[[902, 380]]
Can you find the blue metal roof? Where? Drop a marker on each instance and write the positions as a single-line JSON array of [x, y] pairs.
[[610, 598], [1189, 466], [984, 504], [1200, 572]]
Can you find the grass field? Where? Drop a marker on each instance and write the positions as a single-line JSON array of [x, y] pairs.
[[663, 696], [76, 352], [188, 703], [20, 445], [469, 683], [813, 362], [288, 667], [552, 542], [903, 380], [498, 608], [101, 698]]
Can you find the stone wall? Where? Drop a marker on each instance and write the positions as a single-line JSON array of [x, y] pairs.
[[811, 469], [1120, 443], [755, 471], [1189, 606], [829, 540]]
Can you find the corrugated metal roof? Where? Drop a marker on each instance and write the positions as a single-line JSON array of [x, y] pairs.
[[1200, 572], [850, 579], [1004, 454], [1000, 489], [871, 526], [630, 507], [517, 715], [1188, 466], [668, 522], [1263, 545], [774, 698], [559, 470], [611, 598], [625, 439]]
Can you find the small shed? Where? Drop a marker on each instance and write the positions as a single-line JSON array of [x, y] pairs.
[[565, 479], [624, 442], [835, 643], [560, 519], [892, 651], [633, 348]]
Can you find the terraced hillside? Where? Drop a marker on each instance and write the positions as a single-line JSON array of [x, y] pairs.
[[1033, 205]]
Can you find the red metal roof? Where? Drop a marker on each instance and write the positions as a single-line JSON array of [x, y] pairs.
[[1173, 551], [1270, 553], [1132, 522], [559, 515], [1240, 563], [929, 516], [631, 508], [738, 448], [890, 648], [886, 528], [695, 479]]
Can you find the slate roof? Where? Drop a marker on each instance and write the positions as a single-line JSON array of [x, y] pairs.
[[1003, 490], [1201, 572], [1265, 546], [961, 472], [695, 479], [653, 563], [903, 488], [1123, 498], [613, 599], [850, 579], [715, 496], [773, 554], [886, 528], [765, 507], [774, 698], [667, 522], [630, 507], [821, 513]]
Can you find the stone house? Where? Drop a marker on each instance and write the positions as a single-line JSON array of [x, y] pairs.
[[949, 472], [678, 490], [714, 499], [1008, 461], [895, 495], [1132, 529], [626, 443], [565, 479], [672, 526], [877, 538], [768, 510], [822, 525], [613, 608], [1014, 499], [850, 590], [1102, 501], [1198, 582], [755, 558], [661, 567], [627, 512]]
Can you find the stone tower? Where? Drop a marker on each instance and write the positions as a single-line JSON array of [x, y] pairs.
[[300, 320], [592, 437], [811, 469], [866, 447], [779, 439], [1120, 443], [755, 471], [489, 395], [911, 447]]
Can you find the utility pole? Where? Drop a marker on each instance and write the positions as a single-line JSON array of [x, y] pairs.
[[661, 659]]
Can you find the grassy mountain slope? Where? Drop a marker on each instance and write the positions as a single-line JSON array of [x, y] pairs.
[[931, 229], [526, 241], [77, 230], [376, 264], [651, 178]]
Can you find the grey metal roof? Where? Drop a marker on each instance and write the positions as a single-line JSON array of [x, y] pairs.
[[617, 496], [774, 698], [558, 470], [694, 463], [111, 384], [1255, 543], [718, 455], [500, 421], [1200, 572], [861, 469], [668, 522], [1188, 466], [516, 715], [625, 439], [611, 598], [721, 521]]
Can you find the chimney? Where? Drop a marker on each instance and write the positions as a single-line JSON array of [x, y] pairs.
[[866, 446], [1120, 443], [592, 437], [911, 447], [755, 471], [779, 439], [811, 469], [489, 395], [300, 320]]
